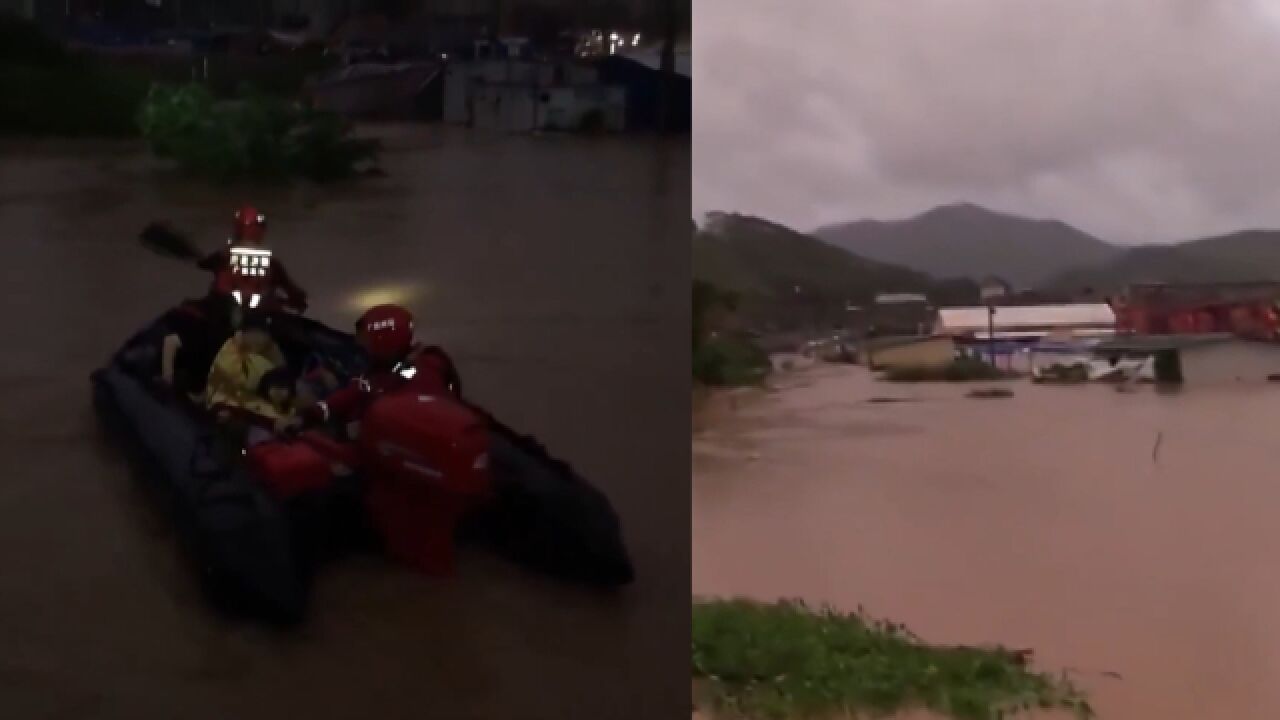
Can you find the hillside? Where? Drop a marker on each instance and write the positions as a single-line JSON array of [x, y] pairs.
[[970, 241], [784, 277], [1237, 257]]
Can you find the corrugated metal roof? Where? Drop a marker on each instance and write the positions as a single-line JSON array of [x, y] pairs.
[[973, 319]]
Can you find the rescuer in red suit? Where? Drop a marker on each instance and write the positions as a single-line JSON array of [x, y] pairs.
[[396, 364], [247, 270]]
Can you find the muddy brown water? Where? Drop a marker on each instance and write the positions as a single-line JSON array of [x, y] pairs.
[[1039, 521], [554, 269]]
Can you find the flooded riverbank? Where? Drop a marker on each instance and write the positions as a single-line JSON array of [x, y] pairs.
[[552, 268], [1128, 533]]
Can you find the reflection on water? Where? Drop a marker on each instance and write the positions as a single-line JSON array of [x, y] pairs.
[[554, 269], [1049, 520]]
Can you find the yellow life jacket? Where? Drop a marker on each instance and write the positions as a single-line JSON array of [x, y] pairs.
[[234, 379]]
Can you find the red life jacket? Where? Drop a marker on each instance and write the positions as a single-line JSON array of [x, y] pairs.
[[248, 274], [424, 371]]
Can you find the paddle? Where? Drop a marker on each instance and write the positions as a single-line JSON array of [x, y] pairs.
[[164, 240]]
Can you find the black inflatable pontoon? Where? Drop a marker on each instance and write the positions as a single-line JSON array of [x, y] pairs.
[[257, 555]]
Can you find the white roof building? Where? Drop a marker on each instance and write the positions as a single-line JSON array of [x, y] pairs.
[[1027, 320]]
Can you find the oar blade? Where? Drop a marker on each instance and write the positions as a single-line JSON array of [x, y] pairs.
[[162, 239]]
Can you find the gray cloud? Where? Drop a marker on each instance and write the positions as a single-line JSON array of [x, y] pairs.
[[1142, 120]]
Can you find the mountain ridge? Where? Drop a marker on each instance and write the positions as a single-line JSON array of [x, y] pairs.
[[966, 239], [785, 277]]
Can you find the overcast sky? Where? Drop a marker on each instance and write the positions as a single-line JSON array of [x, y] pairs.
[[1141, 120]]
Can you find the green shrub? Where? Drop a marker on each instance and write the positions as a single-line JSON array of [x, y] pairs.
[[256, 137], [783, 660], [963, 369], [729, 360]]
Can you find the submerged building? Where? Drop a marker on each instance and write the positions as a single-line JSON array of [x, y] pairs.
[[1247, 309], [1204, 359], [931, 351], [522, 95]]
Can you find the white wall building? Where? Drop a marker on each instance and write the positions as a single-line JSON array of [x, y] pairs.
[[519, 96], [1028, 321]]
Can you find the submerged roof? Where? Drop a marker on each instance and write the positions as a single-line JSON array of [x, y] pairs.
[[1152, 343], [973, 319]]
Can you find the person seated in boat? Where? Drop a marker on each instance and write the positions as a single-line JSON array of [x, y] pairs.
[[197, 329], [239, 368], [247, 270], [277, 413], [396, 364]]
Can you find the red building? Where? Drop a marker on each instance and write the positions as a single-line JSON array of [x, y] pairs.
[[1250, 310]]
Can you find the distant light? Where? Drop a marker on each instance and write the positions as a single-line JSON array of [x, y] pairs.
[[635, 40], [444, 56], [383, 294], [613, 36]]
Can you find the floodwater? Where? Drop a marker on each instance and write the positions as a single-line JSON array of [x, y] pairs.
[[1131, 533], [554, 269]]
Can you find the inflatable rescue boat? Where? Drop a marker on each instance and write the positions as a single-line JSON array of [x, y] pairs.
[[258, 523]]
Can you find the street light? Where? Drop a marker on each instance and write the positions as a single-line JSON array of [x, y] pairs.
[[991, 291], [991, 331]]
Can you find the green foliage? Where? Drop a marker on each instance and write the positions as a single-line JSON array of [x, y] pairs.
[[256, 137], [729, 360], [722, 358], [44, 90], [783, 660], [707, 299], [963, 369]]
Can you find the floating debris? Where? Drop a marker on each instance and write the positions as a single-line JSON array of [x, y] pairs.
[[991, 392]]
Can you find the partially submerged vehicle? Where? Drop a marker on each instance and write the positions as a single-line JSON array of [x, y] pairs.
[[257, 546]]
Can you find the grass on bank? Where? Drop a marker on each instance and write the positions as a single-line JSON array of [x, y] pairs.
[[776, 661], [963, 369]]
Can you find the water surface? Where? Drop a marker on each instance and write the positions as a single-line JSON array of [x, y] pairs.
[[1049, 520], [554, 269]]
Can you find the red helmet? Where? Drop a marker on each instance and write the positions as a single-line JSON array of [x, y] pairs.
[[386, 332], [250, 226]]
